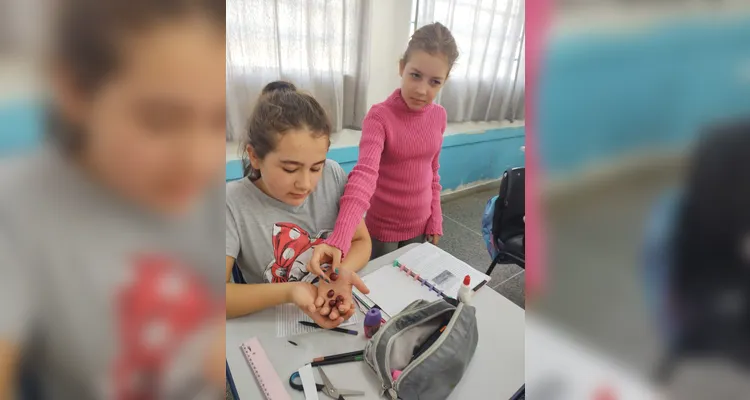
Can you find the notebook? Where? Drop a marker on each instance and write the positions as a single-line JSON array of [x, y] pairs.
[[425, 272], [268, 380]]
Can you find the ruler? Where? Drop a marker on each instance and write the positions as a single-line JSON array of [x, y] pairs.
[[268, 380]]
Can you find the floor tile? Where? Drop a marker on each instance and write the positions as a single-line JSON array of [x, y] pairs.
[[514, 289], [468, 210], [464, 244]]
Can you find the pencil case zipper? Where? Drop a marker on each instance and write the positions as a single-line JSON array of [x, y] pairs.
[[431, 349], [372, 346]]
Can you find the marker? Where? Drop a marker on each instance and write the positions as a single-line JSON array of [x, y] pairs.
[[342, 355], [395, 373], [314, 325], [337, 361]]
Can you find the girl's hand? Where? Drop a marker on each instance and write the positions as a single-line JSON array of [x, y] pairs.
[[342, 286], [434, 239], [304, 294], [323, 254]]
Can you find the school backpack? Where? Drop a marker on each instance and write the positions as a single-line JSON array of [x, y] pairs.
[[487, 218], [709, 283]]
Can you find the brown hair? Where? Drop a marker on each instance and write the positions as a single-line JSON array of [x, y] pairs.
[[434, 39], [280, 109], [86, 39]]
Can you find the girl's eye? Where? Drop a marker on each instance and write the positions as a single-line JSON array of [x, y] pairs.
[[436, 82], [289, 171], [316, 169], [415, 75]]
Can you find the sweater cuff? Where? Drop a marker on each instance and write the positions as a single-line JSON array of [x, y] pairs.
[[435, 225], [339, 242]]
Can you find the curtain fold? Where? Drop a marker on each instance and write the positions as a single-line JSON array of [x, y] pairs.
[[319, 45], [487, 82]]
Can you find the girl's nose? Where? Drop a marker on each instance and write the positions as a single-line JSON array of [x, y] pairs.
[[304, 182]]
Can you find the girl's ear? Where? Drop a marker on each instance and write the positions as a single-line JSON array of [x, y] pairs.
[[70, 98], [254, 159]]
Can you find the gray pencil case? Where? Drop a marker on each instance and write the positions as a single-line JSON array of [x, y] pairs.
[[437, 370]]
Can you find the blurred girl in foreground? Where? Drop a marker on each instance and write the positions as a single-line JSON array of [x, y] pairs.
[[106, 239]]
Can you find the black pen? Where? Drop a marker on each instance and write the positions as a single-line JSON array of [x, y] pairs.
[[427, 343], [314, 325], [335, 361]]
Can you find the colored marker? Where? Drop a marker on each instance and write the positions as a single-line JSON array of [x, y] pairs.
[[314, 325], [342, 355]]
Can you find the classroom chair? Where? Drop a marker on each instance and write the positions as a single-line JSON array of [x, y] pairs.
[[237, 275], [508, 226]]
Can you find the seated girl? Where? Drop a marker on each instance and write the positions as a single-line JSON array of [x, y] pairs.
[[286, 204]]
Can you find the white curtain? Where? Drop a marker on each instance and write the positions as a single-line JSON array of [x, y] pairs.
[[318, 45], [487, 82]]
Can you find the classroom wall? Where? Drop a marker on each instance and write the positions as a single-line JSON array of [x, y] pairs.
[[466, 157], [607, 96], [21, 125], [471, 152], [389, 34], [20, 114]]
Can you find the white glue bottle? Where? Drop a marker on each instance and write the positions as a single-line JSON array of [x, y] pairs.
[[464, 292]]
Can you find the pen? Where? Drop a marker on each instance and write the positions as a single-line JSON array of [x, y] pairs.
[[520, 393], [479, 286], [342, 355], [363, 307], [314, 325], [337, 361], [427, 343]]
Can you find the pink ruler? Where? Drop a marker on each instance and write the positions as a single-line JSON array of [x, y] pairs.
[[268, 380]]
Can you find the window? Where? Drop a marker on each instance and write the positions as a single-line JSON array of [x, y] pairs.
[[291, 35], [483, 17]]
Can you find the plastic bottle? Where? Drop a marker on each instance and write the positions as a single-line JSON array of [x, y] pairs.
[[464, 292]]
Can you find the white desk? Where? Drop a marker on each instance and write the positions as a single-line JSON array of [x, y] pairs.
[[496, 371]]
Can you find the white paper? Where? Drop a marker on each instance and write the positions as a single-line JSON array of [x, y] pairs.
[[392, 290], [441, 268], [289, 315], [308, 382]]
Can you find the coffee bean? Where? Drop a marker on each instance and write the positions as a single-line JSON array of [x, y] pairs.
[[330, 293], [332, 303], [339, 299], [334, 276]]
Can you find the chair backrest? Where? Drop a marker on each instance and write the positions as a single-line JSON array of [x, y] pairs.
[[237, 274], [711, 276], [510, 206]]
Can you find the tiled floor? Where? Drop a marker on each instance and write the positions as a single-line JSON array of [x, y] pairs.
[[595, 271], [463, 238]]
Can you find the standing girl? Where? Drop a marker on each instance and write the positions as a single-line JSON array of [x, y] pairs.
[[396, 179], [109, 235]]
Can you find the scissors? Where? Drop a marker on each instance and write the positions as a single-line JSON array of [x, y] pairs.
[[327, 387]]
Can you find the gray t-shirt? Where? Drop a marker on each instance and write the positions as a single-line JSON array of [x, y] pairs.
[[271, 240], [105, 299]]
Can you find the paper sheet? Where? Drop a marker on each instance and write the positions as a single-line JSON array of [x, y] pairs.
[[308, 382], [392, 290], [441, 268], [289, 315]]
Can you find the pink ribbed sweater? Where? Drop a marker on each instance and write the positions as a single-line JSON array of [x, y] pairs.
[[396, 178]]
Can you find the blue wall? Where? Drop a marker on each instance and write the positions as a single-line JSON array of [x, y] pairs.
[[465, 158], [605, 96], [21, 124]]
